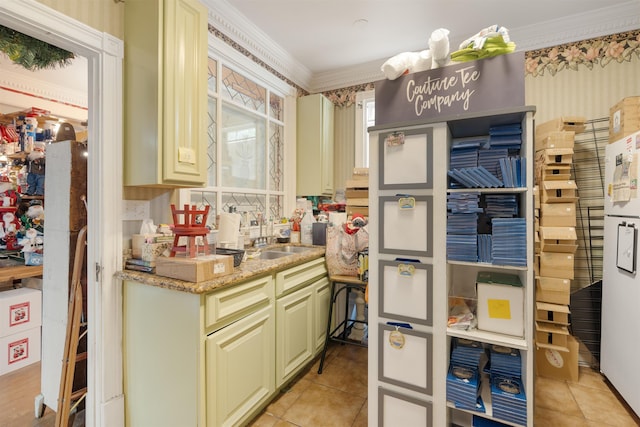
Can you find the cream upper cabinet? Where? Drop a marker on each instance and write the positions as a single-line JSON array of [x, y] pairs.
[[165, 95], [314, 146]]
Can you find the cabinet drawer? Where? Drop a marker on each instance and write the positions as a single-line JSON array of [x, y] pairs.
[[295, 277], [228, 305]]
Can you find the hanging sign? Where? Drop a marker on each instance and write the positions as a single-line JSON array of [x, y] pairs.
[[459, 88]]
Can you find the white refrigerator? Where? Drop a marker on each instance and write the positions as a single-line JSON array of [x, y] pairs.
[[620, 334]]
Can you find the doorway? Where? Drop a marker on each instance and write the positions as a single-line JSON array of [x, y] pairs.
[[104, 53]]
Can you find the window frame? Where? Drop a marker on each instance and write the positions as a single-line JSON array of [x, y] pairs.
[[362, 135], [232, 59]]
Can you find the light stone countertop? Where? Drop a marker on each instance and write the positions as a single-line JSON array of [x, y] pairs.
[[248, 269]]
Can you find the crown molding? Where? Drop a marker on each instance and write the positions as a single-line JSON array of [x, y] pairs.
[[236, 26], [346, 77], [580, 26]]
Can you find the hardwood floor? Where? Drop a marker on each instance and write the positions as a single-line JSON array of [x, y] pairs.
[[18, 390]]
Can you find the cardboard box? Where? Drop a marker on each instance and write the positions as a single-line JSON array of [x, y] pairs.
[[500, 303], [357, 183], [362, 210], [624, 118], [552, 335], [552, 172], [20, 310], [574, 124], [552, 313], [558, 192], [194, 269], [558, 239], [353, 193], [536, 196], [555, 156], [558, 215], [19, 350], [557, 264], [555, 139], [562, 365], [553, 290]]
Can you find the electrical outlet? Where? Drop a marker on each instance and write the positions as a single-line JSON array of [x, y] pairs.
[[133, 210]]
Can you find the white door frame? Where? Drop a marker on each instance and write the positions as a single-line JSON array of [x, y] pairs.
[[104, 53]]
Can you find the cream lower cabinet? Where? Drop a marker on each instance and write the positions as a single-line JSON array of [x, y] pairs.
[[322, 289], [217, 359], [295, 335], [300, 305], [240, 368]]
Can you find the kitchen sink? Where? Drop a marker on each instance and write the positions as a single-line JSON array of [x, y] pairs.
[[290, 249], [269, 255]]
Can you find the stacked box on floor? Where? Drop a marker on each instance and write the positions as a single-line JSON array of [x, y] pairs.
[[624, 118], [357, 192], [20, 322], [556, 243]]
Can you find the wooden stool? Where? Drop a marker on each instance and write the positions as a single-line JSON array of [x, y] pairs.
[[193, 225]]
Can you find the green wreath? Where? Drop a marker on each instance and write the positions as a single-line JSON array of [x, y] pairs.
[[30, 53]]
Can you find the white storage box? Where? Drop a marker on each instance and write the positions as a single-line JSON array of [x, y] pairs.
[[20, 309], [500, 303], [19, 350]]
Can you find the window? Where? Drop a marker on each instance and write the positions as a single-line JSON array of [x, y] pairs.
[[246, 147], [365, 118]]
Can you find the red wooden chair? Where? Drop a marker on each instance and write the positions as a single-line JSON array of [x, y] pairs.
[[190, 223]]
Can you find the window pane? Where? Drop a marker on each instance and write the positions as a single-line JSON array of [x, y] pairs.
[[212, 82], [243, 149], [276, 107], [276, 157], [243, 91], [370, 120], [244, 202], [212, 132], [204, 198], [276, 207]]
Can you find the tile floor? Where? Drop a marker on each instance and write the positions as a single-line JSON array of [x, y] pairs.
[[338, 397]]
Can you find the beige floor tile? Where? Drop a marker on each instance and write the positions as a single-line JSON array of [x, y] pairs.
[[321, 406], [556, 395], [544, 417], [362, 417], [264, 420], [590, 378], [354, 353], [601, 407], [343, 374], [287, 397]]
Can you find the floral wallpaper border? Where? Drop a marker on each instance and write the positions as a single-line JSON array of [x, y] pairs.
[[602, 51]]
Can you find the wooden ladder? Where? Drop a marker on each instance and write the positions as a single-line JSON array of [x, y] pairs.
[[67, 395]]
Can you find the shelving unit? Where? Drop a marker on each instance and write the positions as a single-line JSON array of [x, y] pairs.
[[424, 232]]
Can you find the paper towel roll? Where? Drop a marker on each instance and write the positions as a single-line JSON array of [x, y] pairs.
[[228, 229]]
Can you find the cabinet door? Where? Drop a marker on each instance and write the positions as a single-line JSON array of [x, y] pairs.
[[165, 93], [240, 368], [314, 146], [295, 337], [185, 92], [322, 290]]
